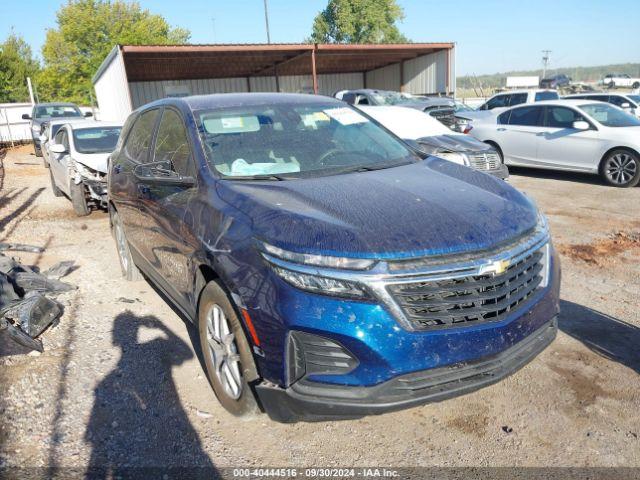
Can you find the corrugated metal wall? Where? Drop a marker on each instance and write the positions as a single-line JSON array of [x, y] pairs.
[[424, 74], [112, 93], [145, 92]]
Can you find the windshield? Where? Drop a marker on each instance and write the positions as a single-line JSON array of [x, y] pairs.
[[392, 98], [294, 140], [610, 116], [57, 111], [461, 107], [96, 140]]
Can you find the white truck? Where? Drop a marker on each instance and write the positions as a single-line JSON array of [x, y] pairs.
[[616, 80]]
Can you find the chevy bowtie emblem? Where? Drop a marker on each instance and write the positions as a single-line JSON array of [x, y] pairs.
[[498, 267]]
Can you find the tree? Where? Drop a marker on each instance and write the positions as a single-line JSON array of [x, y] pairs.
[[87, 31], [16, 64], [358, 21]]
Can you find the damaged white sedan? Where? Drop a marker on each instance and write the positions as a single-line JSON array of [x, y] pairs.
[[78, 163]]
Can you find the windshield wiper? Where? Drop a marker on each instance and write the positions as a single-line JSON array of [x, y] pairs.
[[257, 177]]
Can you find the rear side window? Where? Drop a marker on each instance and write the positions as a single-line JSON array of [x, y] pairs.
[[349, 98], [526, 116], [518, 99], [172, 144], [540, 96], [562, 117], [498, 102], [138, 142]]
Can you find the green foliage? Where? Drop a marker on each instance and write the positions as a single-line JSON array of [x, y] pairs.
[[16, 64], [87, 31], [358, 21], [577, 74]]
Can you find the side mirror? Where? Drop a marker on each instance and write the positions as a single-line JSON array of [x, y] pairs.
[[57, 148], [581, 125], [88, 114], [26, 116], [161, 174], [625, 105]]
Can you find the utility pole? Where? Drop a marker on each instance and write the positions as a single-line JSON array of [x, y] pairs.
[[30, 90], [546, 58], [275, 65], [266, 21]]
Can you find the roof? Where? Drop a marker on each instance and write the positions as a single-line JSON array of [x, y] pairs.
[[94, 124], [229, 100], [179, 62]]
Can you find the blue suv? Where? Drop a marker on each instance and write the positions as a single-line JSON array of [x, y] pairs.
[[331, 271]]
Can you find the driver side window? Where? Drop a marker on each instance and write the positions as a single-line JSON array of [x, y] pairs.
[[172, 144]]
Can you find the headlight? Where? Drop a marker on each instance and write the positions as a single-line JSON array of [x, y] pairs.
[[454, 157], [321, 285], [319, 260]]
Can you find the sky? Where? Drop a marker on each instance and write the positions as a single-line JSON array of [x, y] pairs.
[[491, 35]]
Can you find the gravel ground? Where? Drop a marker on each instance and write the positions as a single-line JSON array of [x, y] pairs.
[[119, 382]]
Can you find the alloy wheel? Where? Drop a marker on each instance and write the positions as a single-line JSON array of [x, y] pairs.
[[223, 352], [621, 168]]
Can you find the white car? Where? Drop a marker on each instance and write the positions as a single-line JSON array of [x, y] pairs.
[[432, 137], [574, 135], [78, 158], [626, 101], [615, 80], [518, 97], [49, 130]]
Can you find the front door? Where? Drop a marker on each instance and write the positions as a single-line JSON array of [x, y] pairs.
[[563, 146]]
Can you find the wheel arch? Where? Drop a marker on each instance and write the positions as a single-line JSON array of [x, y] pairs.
[[606, 154], [495, 145]]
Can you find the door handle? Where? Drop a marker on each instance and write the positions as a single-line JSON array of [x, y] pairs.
[[143, 190], [117, 168], [502, 129]]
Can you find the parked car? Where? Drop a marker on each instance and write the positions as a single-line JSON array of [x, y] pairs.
[[573, 135], [330, 270], [78, 163], [440, 108], [44, 112], [49, 130], [616, 80], [555, 81], [517, 97], [626, 101], [431, 137]]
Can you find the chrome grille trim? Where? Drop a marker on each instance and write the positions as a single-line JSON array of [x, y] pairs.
[[484, 160], [378, 279]]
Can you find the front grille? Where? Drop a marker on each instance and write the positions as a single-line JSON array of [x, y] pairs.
[[445, 116], [484, 161], [471, 299]]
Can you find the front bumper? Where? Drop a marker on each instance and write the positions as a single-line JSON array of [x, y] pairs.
[[314, 401], [502, 172]]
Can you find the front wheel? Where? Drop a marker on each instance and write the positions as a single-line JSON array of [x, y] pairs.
[[79, 199], [621, 168], [226, 351]]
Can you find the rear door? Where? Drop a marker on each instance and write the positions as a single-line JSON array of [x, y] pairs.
[[563, 146], [123, 184], [518, 138], [171, 242]]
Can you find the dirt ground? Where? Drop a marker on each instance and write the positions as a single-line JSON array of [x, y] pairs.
[[119, 382]]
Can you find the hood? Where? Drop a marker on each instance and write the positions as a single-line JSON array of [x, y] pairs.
[[96, 161], [455, 143], [428, 208]]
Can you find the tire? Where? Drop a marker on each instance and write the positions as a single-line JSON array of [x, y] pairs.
[[611, 85], [635, 85], [79, 199], [37, 150], [227, 352], [54, 188], [129, 270], [620, 168]]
